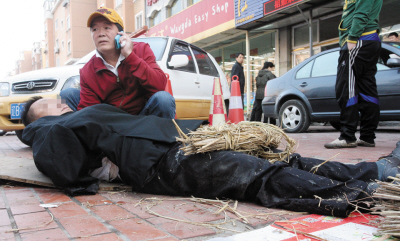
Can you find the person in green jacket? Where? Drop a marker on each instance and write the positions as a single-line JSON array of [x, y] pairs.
[[356, 90], [264, 75]]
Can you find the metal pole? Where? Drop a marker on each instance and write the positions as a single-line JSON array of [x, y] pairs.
[[248, 71], [311, 34]]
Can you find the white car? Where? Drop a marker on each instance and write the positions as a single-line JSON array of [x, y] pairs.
[[190, 69]]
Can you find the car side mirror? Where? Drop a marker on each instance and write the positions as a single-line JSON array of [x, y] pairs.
[[178, 60], [393, 62]]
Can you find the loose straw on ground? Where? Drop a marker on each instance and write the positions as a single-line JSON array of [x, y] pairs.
[[253, 138], [221, 205], [39, 226]]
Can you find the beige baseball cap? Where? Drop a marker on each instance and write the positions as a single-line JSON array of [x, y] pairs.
[[108, 13]]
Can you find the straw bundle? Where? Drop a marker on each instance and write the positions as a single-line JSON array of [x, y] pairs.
[[254, 138], [388, 206]]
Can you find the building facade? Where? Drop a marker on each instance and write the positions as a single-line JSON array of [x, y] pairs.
[[24, 64], [67, 38]]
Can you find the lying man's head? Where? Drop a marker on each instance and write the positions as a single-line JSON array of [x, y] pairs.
[[37, 107]]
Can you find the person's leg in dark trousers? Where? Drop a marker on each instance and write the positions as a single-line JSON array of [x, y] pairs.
[[256, 113], [240, 176], [368, 92], [356, 72]]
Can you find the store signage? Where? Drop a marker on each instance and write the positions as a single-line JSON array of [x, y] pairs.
[[274, 5], [247, 11], [254, 52], [150, 2], [195, 19]]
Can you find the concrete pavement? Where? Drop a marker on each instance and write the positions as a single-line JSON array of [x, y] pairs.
[[126, 216]]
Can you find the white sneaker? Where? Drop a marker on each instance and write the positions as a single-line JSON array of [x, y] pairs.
[[340, 144], [364, 143]]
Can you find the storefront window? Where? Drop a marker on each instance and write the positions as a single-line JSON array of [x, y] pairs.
[[156, 19], [328, 28], [300, 56], [389, 20], [175, 8], [191, 2], [262, 49], [388, 30], [301, 34]]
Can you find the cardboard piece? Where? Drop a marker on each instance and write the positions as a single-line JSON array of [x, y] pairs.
[[24, 170]]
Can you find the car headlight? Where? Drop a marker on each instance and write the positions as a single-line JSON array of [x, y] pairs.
[[4, 89], [72, 82]]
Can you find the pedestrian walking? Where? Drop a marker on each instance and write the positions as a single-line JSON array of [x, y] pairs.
[[356, 90], [264, 75]]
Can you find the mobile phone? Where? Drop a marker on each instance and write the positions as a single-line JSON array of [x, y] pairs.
[[117, 44]]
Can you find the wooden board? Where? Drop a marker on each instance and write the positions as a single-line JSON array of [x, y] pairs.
[[24, 170]]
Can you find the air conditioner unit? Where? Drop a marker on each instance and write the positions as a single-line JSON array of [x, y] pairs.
[[56, 50], [65, 3]]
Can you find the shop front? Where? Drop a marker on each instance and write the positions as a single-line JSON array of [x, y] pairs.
[[304, 25]]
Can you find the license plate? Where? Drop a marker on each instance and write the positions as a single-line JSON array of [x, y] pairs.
[[16, 110]]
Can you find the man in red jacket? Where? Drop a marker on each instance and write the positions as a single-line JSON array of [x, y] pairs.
[[127, 77]]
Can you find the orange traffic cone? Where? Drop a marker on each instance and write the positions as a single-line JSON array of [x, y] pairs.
[[236, 114], [168, 87], [217, 107]]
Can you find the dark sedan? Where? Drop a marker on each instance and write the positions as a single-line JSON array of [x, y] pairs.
[[306, 93]]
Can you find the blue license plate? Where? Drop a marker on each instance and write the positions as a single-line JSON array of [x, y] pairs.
[[16, 110]]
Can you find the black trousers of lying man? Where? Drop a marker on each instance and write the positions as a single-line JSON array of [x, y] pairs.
[[66, 145]]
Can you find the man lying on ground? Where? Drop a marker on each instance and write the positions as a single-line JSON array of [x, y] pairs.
[[66, 145]]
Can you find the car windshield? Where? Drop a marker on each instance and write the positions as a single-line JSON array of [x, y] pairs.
[[156, 44]]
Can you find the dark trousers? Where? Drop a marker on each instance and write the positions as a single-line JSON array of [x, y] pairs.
[[257, 112], [227, 174], [356, 90]]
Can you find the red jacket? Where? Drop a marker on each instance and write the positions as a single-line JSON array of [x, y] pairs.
[[139, 78]]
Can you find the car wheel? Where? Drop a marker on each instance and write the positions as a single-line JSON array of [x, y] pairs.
[[19, 135], [335, 124], [293, 117]]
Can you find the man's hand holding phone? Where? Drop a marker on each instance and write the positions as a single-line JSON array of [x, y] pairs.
[[125, 43]]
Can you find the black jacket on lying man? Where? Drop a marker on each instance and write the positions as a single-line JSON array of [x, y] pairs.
[[144, 148]]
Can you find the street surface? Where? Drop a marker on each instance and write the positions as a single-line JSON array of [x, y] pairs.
[[128, 216]]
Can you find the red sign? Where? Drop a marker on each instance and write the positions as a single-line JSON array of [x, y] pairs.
[[254, 52], [150, 2], [274, 5], [195, 19]]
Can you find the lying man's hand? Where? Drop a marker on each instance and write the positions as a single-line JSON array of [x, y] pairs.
[[126, 44]]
